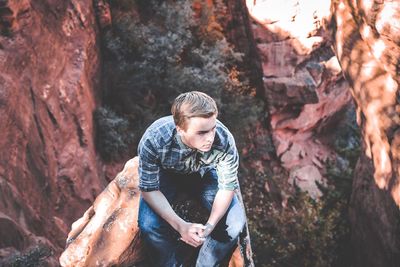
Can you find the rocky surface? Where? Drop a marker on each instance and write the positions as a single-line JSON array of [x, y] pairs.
[[302, 85], [367, 44], [107, 233], [49, 170]]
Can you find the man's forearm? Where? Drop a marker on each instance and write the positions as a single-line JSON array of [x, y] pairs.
[[222, 200], [161, 206]]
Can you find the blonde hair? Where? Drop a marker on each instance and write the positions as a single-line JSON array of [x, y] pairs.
[[192, 104]]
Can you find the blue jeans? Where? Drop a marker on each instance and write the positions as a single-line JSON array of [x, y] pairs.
[[163, 241]]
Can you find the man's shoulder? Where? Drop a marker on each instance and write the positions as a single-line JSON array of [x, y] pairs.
[[166, 122], [160, 131], [223, 136]]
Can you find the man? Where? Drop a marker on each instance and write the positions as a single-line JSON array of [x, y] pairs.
[[189, 151]]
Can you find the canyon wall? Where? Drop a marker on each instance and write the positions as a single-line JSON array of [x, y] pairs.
[[367, 35], [49, 170], [309, 102], [304, 53]]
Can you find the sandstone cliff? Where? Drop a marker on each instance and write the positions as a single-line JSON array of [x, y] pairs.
[[367, 45], [302, 84], [49, 72]]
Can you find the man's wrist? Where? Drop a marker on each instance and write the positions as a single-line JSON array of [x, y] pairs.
[[208, 224], [209, 227], [178, 225]]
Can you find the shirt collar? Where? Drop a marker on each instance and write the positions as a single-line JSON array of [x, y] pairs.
[[180, 143]]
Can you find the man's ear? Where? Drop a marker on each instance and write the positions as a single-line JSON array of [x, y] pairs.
[[179, 129]]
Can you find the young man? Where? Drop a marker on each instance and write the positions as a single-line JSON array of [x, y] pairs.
[[190, 151]]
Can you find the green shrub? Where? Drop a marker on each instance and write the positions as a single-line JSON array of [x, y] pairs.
[[148, 62], [304, 233], [38, 255], [113, 136]]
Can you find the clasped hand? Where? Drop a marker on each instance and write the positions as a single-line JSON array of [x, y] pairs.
[[194, 234]]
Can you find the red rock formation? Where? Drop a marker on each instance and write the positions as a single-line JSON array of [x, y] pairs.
[[107, 233], [49, 171], [367, 44], [303, 85], [10, 12]]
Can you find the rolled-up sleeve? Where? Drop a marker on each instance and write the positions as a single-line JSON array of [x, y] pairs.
[[148, 165], [227, 166]]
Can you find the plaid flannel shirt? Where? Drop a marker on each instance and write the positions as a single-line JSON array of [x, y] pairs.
[[161, 148]]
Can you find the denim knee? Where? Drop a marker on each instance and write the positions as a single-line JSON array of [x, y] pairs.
[[236, 219], [147, 225], [235, 227], [148, 221]]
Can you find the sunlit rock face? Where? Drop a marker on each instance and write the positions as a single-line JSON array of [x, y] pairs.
[[107, 233], [303, 85], [371, 61], [48, 167], [367, 44]]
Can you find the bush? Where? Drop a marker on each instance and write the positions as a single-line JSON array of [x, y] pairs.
[[149, 62], [113, 136]]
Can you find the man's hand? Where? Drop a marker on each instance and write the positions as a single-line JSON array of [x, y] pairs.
[[190, 233]]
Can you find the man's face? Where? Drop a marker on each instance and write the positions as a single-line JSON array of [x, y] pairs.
[[199, 133]]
